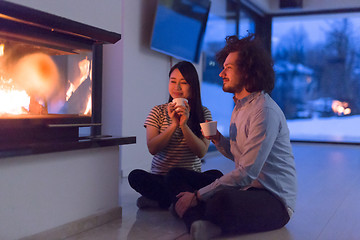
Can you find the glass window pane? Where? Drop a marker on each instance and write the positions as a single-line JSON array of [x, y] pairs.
[[317, 65]]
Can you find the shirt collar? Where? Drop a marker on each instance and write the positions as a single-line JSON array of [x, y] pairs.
[[243, 101]]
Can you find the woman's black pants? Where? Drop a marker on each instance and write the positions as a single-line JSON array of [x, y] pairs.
[[153, 186]]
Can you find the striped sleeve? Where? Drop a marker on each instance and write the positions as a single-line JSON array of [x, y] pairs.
[[207, 114], [154, 118]]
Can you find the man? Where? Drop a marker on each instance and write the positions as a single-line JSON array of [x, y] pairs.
[[260, 193]]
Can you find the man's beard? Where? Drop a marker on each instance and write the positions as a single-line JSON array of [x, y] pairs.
[[232, 89]]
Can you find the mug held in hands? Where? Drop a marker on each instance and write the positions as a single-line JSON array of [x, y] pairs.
[[209, 128], [179, 101]]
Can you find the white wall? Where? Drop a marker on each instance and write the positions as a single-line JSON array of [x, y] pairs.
[[41, 192], [143, 75], [102, 14]]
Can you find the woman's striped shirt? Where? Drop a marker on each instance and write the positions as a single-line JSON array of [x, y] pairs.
[[176, 153]]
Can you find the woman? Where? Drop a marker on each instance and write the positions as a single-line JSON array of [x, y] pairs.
[[174, 138]]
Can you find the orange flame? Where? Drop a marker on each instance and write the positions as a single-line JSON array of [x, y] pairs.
[[85, 67], [2, 49], [88, 106], [70, 91], [37, 74], [13, 101]]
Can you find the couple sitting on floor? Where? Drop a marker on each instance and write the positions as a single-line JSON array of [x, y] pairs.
[[260, 193]]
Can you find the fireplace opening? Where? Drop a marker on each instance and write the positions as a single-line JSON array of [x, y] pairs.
[[50, 76], [37, 81]]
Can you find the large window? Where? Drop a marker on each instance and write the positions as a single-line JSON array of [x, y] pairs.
[[317, 65], [225, 19]]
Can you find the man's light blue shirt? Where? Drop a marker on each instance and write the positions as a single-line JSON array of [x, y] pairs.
[[259, 144]]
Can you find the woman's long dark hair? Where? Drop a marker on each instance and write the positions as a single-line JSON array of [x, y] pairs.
[[254, 62], [190, 74]]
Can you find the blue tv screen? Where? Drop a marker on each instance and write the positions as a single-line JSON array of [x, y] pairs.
[[179, 28]]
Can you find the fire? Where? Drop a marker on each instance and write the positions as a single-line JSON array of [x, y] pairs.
[[37, 74], [88, 106], [340, 108], [85, 73], [70, 91], [31, 84], [84, 67], [13, 101], [2, 48]]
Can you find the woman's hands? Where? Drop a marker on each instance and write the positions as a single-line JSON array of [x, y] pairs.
[[180, 115], [186, 200]]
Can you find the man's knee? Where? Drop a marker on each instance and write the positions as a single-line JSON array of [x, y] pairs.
[[219, 202]]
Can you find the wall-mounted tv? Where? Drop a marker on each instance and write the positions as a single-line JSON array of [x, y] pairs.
[[179, 28]]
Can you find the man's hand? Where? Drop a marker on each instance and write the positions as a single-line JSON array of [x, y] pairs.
[[215, 138], [186, 200]]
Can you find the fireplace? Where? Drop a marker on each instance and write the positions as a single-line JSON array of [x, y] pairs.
[[50, 77]]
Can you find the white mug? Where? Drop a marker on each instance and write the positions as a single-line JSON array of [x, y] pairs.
[[209, 128], [179, 101]]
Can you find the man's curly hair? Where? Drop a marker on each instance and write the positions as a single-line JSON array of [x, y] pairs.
[[254, 62]]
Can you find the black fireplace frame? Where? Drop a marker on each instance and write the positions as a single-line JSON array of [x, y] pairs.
[[43, 134], [29, 25]]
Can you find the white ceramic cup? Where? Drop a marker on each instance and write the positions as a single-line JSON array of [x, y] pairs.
[[179, 101], [209, 128]]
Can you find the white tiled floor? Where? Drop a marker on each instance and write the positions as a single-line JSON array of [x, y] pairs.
[[327, 207]]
